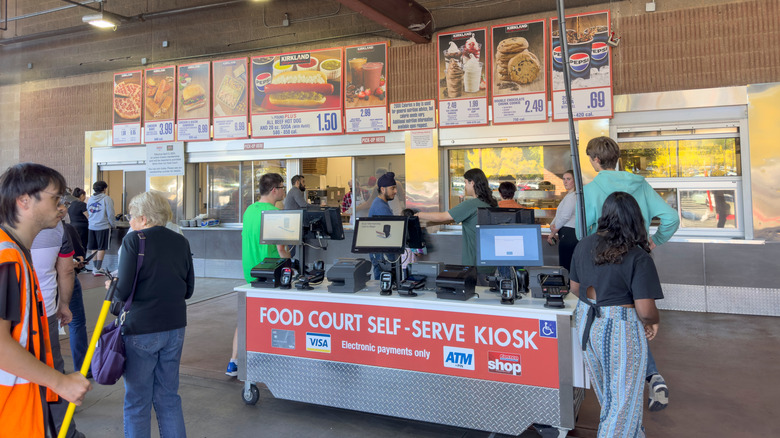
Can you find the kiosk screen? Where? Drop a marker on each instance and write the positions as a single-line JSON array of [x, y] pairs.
[[386, 234], [281, 227], [509, 245]]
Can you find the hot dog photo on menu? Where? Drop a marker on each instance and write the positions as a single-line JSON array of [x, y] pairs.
[[296, 81]]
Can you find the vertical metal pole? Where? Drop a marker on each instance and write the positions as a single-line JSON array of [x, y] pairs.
[[575, 157]]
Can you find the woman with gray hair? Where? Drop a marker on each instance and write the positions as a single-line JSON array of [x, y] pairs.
[[153, 329]]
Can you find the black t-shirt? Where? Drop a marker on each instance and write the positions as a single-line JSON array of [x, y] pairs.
[[76, 212], [635, 278]]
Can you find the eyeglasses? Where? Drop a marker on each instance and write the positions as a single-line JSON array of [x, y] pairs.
[[280, 187], [60, 198]]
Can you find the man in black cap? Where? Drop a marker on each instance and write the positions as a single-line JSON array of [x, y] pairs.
[[386, 189]]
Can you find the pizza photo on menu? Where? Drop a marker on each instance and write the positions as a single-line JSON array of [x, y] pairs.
[[127, 102]]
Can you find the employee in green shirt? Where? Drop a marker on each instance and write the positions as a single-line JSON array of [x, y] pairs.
[[252, 252], [478, 188]]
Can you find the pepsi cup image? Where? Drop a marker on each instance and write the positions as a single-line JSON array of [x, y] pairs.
[[579, 59], [262, 69], [556, 53]]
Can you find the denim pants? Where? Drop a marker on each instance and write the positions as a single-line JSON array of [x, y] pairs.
[[58, 409], [152, 378], [78, 327]]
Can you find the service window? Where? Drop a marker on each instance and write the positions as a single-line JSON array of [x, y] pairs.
[[536, 170], [698, 171]]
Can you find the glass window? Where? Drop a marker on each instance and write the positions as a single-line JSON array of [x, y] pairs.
[[233, 186], [651, 159], [710, 157], [670, 196], [708, 209], [536, 170], [223, 188]]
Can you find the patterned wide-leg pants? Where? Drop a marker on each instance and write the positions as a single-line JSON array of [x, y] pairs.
[[616, 358]]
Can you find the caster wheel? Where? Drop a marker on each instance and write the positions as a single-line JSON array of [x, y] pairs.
[[252, 395]]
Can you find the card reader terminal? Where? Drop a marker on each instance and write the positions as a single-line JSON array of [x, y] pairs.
[[268, 273]]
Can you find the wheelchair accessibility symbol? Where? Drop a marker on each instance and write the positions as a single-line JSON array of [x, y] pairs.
[[548, 329]]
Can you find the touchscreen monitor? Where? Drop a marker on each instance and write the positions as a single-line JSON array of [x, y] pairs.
[[509, 245], [386, 234], [281, 227]]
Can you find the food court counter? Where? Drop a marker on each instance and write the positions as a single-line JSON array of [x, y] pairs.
[[475, 364]]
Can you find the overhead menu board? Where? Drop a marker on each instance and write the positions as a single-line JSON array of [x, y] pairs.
[[231, 97], [193, 104], [588, 61], [365, 93], [462, 84], [519, 82], [159, 108], [302, 97], [128, 92]]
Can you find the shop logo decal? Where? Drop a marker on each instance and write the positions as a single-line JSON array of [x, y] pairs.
[[318, 342], [548, 329], [504, 363], [460, 358]]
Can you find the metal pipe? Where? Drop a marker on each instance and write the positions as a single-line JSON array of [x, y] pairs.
[[575, 156], [48, 11], [75, 3]]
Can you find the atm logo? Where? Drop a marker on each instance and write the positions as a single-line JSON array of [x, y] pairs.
[[318, 342], [504, 363], [460, 358]]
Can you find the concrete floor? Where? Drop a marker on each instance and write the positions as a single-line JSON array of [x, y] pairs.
[[722, 371]]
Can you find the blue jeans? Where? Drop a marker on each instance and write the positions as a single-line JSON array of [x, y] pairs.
[[152, 377], [376, 259], [651, 367], [77, 327]]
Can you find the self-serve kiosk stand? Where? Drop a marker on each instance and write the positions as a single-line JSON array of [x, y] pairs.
[[474, 364]]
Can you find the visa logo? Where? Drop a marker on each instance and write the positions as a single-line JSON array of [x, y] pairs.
[[460, 358], [318, 342]]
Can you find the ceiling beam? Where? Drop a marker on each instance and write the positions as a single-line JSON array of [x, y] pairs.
[[404, 17]]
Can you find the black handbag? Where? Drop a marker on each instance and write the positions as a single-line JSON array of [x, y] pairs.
[[108, 361]]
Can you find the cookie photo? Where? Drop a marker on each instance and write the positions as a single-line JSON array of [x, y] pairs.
[[513, 45], [524, 67]]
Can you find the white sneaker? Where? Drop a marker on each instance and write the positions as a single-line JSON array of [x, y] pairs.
[[659, 393]]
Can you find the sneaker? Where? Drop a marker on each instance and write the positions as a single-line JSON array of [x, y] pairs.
[[659, 394], [97, 274], [232, 369]]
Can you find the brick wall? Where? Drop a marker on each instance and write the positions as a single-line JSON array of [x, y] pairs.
[[51, 131], [707, 47]]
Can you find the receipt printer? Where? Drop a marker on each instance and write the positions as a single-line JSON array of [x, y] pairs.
[[269, 272], [456, 282], [349, 275], [429, 270], [538, 274]]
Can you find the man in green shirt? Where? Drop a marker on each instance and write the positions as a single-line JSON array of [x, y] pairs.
[[252, 252]]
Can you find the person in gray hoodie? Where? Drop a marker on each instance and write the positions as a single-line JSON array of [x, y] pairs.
[[604, 154], [100, 208]]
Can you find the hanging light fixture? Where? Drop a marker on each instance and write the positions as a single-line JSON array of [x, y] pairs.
[[103, 20]]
